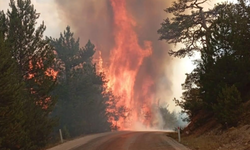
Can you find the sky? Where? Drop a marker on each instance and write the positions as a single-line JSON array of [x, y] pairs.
[[55, 22], [49, 15]]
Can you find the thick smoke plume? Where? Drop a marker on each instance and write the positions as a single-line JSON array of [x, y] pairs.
[[94, 20]]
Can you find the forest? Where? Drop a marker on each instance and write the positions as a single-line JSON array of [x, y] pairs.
[[47, 84], [51, 83], [219, 85]]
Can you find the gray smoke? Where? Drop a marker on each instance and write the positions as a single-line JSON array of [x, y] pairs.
[[93, 19], [149, 14], [89, 19]]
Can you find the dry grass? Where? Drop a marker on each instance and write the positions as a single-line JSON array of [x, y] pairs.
[[212, 137], [197, 143], [217, 139]]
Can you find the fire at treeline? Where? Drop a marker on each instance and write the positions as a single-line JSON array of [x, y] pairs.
[[51, 83], [134, 62], [119, 79]]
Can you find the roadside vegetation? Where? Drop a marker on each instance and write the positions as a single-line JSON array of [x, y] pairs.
[[51, 83], [47, 84], [216, 92], [26, 82]]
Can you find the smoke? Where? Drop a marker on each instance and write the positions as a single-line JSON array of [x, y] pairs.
[[94, 20], [149, 14], [89, 19]]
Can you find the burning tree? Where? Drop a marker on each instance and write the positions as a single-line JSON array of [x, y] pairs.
[[117, 115], [81, 102], [27, 125]]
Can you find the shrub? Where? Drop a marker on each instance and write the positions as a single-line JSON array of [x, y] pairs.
[[227, 110]]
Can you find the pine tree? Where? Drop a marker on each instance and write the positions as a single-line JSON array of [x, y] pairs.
[[227, 110], [81, 103], [33, 58], [33, 54], [12, 102], [221, 37]]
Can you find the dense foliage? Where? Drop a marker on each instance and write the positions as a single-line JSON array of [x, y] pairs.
[[82, 101], [48, 84], [169, 119], [220, 83], [26, 80]]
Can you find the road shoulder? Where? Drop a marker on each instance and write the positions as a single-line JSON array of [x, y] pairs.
[[80, 141], [174, 143]]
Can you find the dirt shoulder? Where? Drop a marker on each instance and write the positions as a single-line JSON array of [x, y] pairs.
[[217, 139], [211, 136]]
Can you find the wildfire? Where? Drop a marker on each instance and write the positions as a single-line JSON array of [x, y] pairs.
[[49, 72], [99, 62], [137, 72], [125, 59]]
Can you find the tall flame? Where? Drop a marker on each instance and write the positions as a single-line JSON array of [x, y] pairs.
[[125, 58], [138, 71]]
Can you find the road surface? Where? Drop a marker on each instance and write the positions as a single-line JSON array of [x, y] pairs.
[[124, 141]]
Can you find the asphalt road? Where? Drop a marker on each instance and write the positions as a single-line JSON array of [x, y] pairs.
[[124, 140], [132, 141]]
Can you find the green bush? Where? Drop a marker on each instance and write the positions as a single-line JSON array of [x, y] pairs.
[[228, 108]]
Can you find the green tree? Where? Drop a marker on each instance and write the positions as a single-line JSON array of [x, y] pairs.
[[190, 26], [221, 36], [191, 102], [230, 41], [70, 53], [114, 112], [230, 64], [81, 101], [12, 102], [34, 58], [34, 55], [169, 119], [228, 108]]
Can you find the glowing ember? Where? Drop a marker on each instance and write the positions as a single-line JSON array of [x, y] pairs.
[[100, 62], [125, 59], [51, 73]]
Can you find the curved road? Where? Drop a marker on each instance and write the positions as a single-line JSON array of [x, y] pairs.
[[128, 141]]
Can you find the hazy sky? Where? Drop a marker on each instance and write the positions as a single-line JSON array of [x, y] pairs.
[[48, 14], [55, 25]]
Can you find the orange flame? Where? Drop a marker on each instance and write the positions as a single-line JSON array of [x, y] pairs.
[[125, 59], [49, 72]]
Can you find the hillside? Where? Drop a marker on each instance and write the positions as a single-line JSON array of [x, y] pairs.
[[211, 135]]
